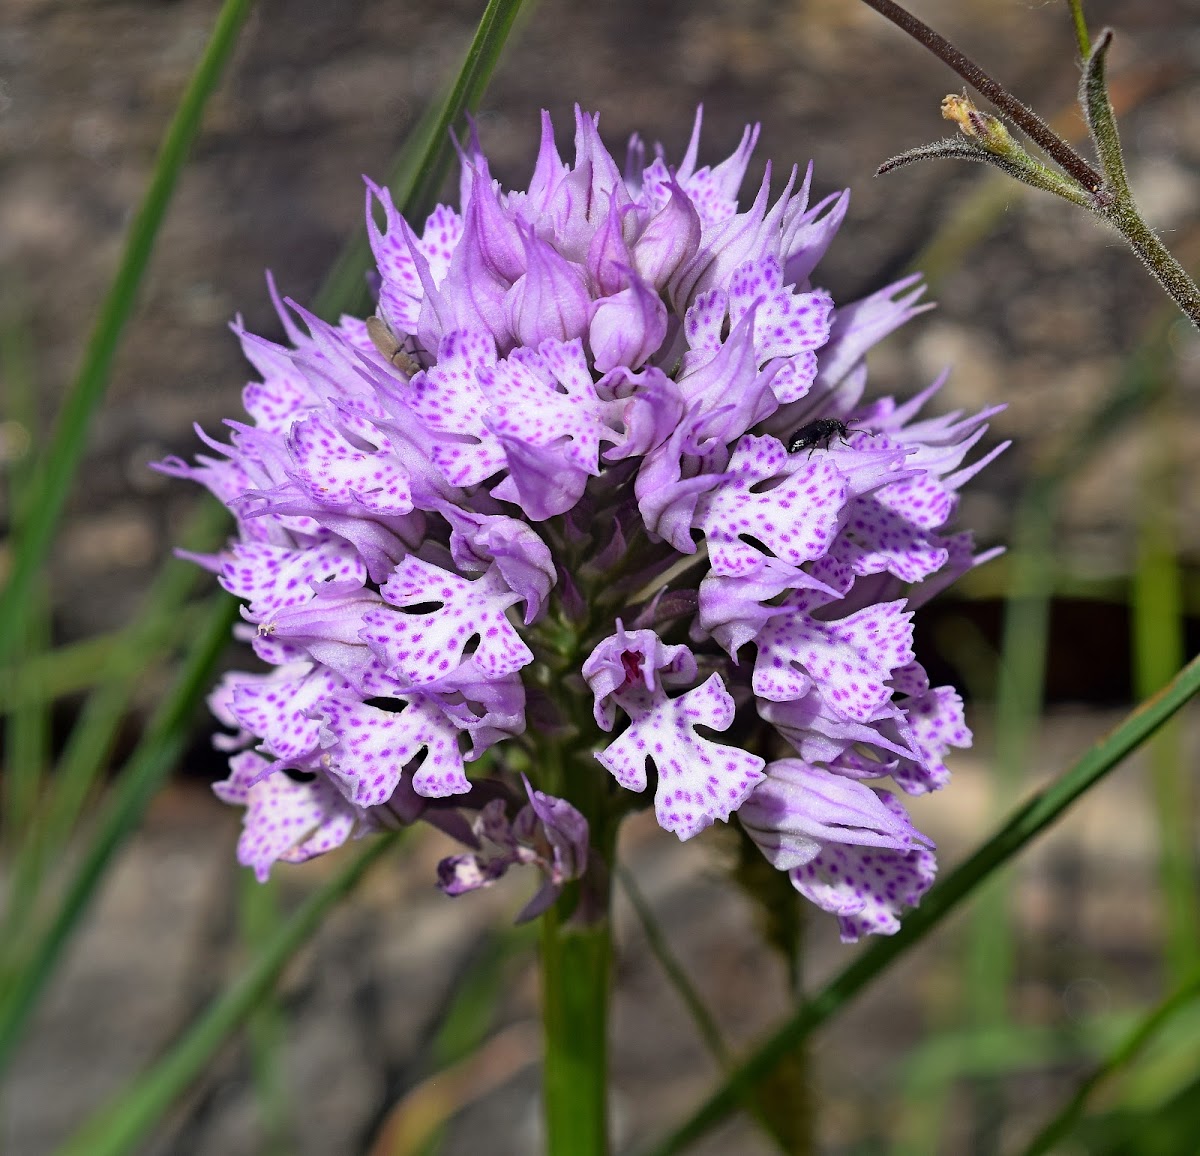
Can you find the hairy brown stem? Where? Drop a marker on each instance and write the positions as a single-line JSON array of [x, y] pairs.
[[1032, 124]]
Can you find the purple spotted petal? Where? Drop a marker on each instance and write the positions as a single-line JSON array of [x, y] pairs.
[[447, 613], [799, 809], [698, 780], [867, 889], [768, 497], [366, 749], [287, 819], [848, 659]]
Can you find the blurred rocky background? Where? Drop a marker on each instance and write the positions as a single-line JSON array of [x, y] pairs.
[[1037, 306]]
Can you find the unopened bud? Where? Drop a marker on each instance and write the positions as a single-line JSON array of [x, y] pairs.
[[988, 130]]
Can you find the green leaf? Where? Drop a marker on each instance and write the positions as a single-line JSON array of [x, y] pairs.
[[1033, 817]]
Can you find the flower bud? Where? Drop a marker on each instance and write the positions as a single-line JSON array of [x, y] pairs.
[[627, 327]]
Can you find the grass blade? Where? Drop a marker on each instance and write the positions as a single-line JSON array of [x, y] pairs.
[[83, 760], [1158, 650], [153, 758], [27, 735], [1033, 817], [1122, 1056], [706, 1025], [56, 468], [421, 168], [115, 1130], [260, 924]]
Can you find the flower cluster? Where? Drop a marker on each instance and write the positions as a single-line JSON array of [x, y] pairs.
[[599, 477]]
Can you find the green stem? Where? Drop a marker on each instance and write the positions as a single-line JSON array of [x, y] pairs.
[[576, 974], [1081, 33], [1163, 267]]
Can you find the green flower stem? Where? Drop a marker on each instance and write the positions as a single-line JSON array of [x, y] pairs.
[[119, 1128], [576, 976], [576, 968], [56, 468], [1080, 24], [1029, 821], [1162, 266]]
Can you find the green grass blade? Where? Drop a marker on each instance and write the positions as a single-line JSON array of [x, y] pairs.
[[153, 758], [1122, 1056], [27, 734], [706, 1025], [421, 168], [161, 625], [344, 289], [260, 924], [56, 468], [417, 199], [116, 1129], [1158, 651], [1033, 817]]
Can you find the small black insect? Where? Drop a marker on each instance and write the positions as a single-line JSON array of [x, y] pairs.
[[818, 434]]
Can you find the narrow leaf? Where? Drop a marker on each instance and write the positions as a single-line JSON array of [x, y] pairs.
[[58, 465], [152, 760]]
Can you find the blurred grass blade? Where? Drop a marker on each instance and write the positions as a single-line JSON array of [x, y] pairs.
[[412, 1128], [117, 1129], [27, 733], [465, 1059], [991, 953], [1122, 1056], [706, 1025], [344, 289], [57, 466], [260, 924], [418, 194], [165, 738], [1158, 651], [1033, 817], [152, 760], [768, 1113], [144, 644], [421, 168]]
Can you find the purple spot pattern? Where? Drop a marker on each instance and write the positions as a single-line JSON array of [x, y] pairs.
[[698, 780], [864, 887], [583, 454], [285, 821], [338, 473], [426, 647], [849, 659], [366, 749], [795, 520]]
